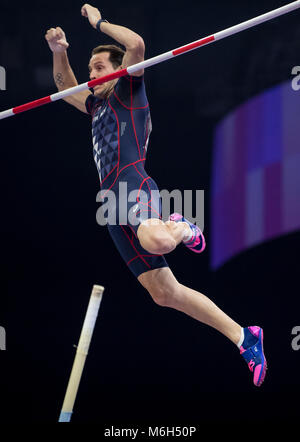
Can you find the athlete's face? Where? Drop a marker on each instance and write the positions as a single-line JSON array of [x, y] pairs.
[[99, 66]]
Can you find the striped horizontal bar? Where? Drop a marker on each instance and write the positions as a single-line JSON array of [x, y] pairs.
[[155, 60], [31, 105], [195, 45], [109, 77]]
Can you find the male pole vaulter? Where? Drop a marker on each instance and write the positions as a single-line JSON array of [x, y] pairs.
[[121, 126]]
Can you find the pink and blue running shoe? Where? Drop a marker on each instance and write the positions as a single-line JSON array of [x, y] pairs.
[[253, 353], [197, 241]]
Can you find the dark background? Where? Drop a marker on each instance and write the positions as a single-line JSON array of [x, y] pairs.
[[146, 364]]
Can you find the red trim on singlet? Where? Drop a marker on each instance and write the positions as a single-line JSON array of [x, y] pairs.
[[130, 164], [149, 205], [140, 188], [109, 173], [129, 108], [131, 100], [145, 179], [149, 192], [118, 164], [138, 171], [149, 256], [138, 255]]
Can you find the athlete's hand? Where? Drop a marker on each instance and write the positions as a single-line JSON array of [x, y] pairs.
[[93, 14], [56, 40]]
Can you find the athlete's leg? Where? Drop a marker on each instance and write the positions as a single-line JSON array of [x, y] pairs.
[[160, 238], [167, 291]]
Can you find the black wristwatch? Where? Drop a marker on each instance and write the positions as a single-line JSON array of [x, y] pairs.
[[99, 23]]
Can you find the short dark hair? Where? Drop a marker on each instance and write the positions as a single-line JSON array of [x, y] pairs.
[[116, 54]]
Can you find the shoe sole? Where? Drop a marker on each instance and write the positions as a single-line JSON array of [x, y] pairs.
[[264, 366]]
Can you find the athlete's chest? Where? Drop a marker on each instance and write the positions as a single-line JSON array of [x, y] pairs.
[[99, 114], [105, 121]]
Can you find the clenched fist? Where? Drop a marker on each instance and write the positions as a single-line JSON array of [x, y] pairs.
[[93, 14], [56, 39]]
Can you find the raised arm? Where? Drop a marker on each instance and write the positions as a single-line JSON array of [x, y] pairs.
[[62, 72], [134, 44]]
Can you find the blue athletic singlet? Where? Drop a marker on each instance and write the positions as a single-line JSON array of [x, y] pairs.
[[121, 127]]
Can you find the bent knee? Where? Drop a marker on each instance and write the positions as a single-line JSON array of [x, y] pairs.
[[164, 296], [157, 243], [162, 245], [162, 286], [160, 296]]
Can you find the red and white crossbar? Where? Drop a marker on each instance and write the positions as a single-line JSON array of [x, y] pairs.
[[155, 60]]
